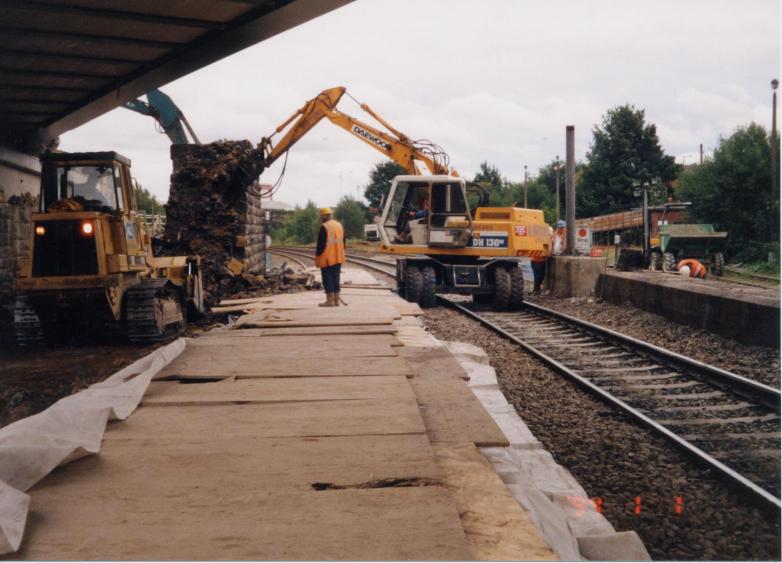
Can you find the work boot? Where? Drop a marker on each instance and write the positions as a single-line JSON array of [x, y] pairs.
[[338, 299], [329, 301]]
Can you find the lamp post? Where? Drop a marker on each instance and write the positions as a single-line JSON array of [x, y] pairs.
[[774, 147], [525, 186], [556, 182]]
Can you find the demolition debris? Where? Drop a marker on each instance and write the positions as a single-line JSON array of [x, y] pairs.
[[214, 211]]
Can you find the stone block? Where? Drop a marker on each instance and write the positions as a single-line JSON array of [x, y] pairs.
[[573, 276], [618, 546]]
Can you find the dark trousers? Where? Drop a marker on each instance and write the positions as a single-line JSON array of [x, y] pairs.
[[538, 273], [330, 276]]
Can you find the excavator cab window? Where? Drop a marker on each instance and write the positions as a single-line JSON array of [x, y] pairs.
[[447, 201], [408, 198]]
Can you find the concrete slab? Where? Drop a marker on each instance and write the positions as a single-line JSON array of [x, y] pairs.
[[620, 546], [279, 390], [573, 276], [196, 367]]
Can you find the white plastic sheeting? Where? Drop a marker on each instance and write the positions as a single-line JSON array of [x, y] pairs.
[[555, 502], [71, 428]]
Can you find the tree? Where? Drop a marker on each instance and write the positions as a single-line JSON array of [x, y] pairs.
[[301, 226], [732, 190], [147, 202], [624, 149], [353, 216], [500, 190], [380, 181]]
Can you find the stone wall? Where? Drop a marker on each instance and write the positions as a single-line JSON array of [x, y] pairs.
[[15, 230]]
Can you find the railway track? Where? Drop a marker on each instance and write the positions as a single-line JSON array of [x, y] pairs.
[[384, 267], [727, 422]]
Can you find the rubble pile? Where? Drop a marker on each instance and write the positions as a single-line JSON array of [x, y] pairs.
[[276, 280], [213, 211]]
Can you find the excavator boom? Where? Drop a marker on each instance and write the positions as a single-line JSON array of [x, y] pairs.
[[395, 145]]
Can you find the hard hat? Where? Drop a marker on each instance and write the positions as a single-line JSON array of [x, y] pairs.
[[560, 224], [325, 210], [685, 271]]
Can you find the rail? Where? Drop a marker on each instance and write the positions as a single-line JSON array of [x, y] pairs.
[[381, 266], [715, 416]]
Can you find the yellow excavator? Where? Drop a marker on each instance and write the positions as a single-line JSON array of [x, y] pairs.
[[443, 245]]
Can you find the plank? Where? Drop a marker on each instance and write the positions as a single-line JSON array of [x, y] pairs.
[[418, 523], [496, 527], [452, 413], [278, 390], [433, 360], [299, 346], [155, 465], [305, 419], [306, 330], [190, 366]]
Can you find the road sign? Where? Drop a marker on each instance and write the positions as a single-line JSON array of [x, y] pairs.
[[583, 240]]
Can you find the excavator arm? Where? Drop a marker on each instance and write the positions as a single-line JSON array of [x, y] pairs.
[[395, 145], [166, 113]]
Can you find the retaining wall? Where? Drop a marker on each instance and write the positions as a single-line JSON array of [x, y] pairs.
[[744, 313]]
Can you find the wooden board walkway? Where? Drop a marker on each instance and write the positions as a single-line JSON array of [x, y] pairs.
[[313, 434]]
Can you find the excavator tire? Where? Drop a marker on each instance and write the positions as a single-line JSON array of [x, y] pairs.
[[414, 284], [428, 297], [502, 289], [669, 262], [516, 289], [146, 307]]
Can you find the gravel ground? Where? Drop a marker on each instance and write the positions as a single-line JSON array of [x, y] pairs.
[[756, 362], [32, 380], [618, 461]]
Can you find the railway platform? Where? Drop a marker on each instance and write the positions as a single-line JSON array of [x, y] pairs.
[[743, 311], [747, 313], [300, 432]]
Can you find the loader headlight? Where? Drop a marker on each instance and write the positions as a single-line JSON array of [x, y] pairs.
[[86, 228], [40, 230]]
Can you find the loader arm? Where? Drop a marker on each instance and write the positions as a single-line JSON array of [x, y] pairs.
[[395, 145]]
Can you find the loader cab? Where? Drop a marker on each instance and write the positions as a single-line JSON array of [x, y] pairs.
[[85, 182], [427, 211]]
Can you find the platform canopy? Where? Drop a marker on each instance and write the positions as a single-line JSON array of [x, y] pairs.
[[63, 63]]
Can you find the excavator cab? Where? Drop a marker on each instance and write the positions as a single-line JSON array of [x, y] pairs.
[[428, 211]]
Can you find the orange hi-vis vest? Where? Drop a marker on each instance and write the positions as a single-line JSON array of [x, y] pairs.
[[335, 245], [697, 270]]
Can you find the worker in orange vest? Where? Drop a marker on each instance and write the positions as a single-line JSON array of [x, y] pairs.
[[692, 268], [330, 255]]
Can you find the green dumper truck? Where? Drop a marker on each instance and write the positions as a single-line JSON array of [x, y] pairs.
[[671, 242]]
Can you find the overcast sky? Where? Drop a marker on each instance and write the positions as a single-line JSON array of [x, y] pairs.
[[496, 80]]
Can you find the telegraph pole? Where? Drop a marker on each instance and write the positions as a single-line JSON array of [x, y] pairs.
[[525, 186], [556, 169], [570, 187], [774, 147]]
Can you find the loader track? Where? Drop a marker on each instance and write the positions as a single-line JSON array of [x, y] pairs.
[[727, 422], [142, 313], [26, 328]]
